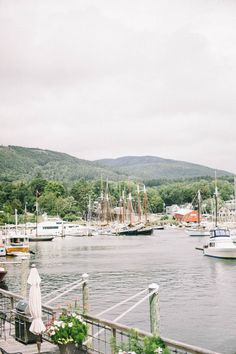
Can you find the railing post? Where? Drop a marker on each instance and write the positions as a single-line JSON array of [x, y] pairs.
[[85, 291], [153, 308], [113, 347], [24, 275]]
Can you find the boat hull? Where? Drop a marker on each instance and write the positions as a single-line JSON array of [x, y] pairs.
[[41, 238], [136, 232], [10, 250], [227, 253], [198, 232]]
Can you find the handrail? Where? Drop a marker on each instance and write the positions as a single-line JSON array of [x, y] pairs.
[[188, 348]]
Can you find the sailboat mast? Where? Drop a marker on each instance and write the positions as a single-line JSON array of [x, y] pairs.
[[216, 202], [139, 205], [37, 212], [145, 203], [130, 208], [234, 196], [199, 207], [16, 220]]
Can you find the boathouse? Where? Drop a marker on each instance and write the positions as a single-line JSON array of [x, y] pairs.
[[186, 215]]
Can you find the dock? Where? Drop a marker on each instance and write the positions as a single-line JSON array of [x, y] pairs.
[[11, 345]]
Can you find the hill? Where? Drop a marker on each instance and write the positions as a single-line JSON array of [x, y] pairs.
[[150, 167], [20, 163]]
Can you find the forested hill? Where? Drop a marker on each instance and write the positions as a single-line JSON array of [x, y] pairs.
[[20, 163], [150, 167]]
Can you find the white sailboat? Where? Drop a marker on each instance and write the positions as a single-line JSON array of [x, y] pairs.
[[199, 230]]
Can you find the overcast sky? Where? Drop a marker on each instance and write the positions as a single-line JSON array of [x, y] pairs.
[[108, 78]]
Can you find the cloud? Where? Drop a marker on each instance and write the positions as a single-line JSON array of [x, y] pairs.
[[102, 79]]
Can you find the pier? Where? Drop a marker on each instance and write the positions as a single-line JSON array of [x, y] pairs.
[[101, 331]]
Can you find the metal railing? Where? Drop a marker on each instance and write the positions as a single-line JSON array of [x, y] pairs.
[[102, 334]]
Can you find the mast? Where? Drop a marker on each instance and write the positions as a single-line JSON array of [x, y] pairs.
[[139, 204], [37, 212], [25, 215], [216, 202], [234, 196], [145, 203], [16, 220], [199, 207], [130, 209], [124, 207]]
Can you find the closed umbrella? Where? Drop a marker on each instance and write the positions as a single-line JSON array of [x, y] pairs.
[[35, 306]]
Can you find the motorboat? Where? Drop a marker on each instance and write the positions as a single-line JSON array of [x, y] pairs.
[[16, 244], [220, 244]]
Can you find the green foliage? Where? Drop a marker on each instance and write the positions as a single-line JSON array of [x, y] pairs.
[[69, 328], [24, 164], [141, 345]]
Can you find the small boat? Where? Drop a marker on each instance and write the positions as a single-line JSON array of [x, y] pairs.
[[16, 244], [220, 244], [135, 230], [199, 229], [40, 238], [3, 272]]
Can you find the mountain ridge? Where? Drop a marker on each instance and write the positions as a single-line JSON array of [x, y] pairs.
[[23, 163], [158, 167]]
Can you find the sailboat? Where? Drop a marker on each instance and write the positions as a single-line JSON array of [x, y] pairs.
[[140, 228], [199, 230], [220, 244]]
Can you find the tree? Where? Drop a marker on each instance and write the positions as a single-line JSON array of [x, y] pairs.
[[55, 187]]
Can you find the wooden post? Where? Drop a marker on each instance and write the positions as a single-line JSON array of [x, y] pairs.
[[24, 275], [113, 347], [85, 291], [153, 308]]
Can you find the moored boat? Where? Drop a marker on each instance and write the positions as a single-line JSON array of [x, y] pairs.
[[40, 238], [135, 230], [16, 244], [220, 244]]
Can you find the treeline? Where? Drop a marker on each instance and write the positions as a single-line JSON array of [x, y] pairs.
[[71, 203]]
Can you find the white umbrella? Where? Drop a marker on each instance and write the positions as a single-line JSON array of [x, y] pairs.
[[35, 306]]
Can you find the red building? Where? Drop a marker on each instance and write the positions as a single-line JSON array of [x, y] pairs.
[[186, 216]]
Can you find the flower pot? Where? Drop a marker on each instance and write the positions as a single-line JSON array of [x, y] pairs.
[[68, 348], [71, 348]]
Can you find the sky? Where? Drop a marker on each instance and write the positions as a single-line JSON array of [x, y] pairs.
[[104, 78]]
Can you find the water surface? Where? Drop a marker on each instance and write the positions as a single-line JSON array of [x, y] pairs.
[[197, 293]]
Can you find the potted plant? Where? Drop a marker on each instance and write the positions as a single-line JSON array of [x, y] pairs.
[[140, 345], [69, 332]]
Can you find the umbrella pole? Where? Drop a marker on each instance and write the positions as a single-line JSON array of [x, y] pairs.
[[38, 342]]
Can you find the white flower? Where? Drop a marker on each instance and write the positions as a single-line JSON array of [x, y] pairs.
[[70, 324]]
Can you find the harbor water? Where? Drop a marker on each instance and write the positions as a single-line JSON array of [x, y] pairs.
[[197, 294]]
